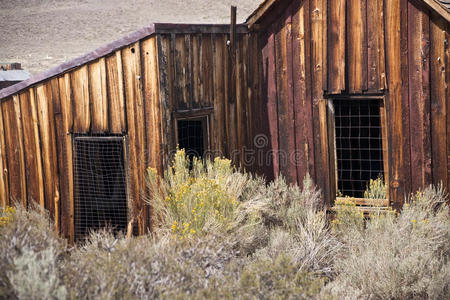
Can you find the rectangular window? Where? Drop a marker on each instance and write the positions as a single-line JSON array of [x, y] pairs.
[[360, 144], [193, 136], [100, 190]]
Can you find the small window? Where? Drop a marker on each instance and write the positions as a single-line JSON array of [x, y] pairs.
[[192, 136], [100, 193], [359, 144]]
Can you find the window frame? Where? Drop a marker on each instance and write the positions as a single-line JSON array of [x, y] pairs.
[[333, 153], [203, 115]]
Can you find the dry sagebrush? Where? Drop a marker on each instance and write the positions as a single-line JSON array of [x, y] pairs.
[[30, 253], [398, 257]]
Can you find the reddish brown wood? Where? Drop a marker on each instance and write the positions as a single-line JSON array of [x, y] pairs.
[[284, 85], [304, 154], [375, 47], [272, 109], [418, 60], [336, 45], [438, 101], [12, 152]]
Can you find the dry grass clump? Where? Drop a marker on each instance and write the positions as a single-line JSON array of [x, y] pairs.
[[246, 239], [29, 255], [109, 267], [398, 257]]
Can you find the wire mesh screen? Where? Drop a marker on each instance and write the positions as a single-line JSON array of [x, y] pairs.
[[100, 194], [359, 148], [191, 137]]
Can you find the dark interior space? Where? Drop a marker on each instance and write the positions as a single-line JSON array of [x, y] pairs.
[[100, 184], [359, 148], [191, 137]]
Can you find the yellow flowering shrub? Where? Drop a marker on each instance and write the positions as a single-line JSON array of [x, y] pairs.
[[347, 215], [6, 215], [376, 189], [193, 201]]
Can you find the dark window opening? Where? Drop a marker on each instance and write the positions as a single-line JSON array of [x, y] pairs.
[[191, 137], [100, 195], [359, 145]]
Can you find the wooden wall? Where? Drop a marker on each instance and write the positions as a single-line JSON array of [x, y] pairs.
[[311, 50], [137, 91], [195, 73], [116, 94]]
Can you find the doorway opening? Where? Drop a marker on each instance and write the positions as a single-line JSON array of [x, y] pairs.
[[100, 185]]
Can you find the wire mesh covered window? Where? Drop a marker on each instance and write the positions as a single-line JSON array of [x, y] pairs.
[[191, 136], [100, 194], [359, 149]]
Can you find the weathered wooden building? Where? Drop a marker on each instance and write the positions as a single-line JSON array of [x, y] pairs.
[[344, 90], [355, 89], [77, 139]]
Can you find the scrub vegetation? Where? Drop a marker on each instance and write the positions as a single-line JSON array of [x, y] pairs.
[[221, 233]]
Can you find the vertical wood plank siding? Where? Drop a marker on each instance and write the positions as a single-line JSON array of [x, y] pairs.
[[133, 91], [193, 72], [390, 48], [267, 107]]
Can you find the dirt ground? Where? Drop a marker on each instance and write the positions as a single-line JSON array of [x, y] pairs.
[[41, 34]]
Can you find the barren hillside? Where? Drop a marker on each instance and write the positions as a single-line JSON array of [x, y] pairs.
[[43, 33]]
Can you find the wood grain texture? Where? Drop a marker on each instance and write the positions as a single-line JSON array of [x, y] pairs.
[[375, 46], [12, 152], [116, 96], [304, 147], [152, 104], [438, 101], [45, 111], [37, 146], [20, 142], [4, 184], [336, 44], [98, 96], [319, 104], [80, 90], [447, 96], [397, 188], [135, 111], [165, 70], [32, 156], [65, 163], [419, 96], [356, 46], [219, 99], [268, 53], [284, 86]]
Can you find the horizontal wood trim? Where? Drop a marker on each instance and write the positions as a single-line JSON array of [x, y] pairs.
[[193, 113], [366, 202]]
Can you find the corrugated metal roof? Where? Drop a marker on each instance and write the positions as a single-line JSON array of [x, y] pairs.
[[14, 75]]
